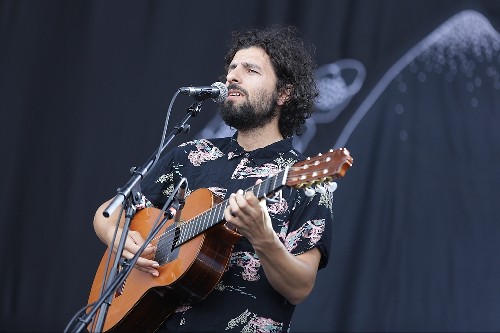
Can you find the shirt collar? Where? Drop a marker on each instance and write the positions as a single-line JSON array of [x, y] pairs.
[[260, 155]]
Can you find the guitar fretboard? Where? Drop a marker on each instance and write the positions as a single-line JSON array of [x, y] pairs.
[[215, 215]]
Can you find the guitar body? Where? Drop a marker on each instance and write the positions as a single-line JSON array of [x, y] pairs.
[[145, 301]]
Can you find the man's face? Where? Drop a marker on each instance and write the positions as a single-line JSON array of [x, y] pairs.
[[252, 96]]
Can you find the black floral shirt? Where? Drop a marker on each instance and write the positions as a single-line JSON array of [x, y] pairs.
[[243, 300]]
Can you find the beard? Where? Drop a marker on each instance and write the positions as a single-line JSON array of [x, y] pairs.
[[248, 116]]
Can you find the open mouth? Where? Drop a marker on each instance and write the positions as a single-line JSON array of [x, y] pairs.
[[234, 93]]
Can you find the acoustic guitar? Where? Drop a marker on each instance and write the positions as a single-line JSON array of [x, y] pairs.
[[194, 252]]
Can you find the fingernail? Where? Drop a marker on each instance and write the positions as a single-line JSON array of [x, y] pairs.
[[156, 265], [240, 191], [156, 273]]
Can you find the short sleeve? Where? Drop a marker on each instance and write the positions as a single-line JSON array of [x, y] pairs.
[[311, 225]]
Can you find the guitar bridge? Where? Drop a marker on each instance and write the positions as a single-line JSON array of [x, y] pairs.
[[120, 289]]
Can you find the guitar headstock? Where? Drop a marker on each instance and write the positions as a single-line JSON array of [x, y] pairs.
[[323, 168]]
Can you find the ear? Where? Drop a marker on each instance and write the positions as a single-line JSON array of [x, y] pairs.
[[284, 94]]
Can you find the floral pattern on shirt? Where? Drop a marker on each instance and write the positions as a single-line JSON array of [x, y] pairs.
[[249, 264], [253, 323], [205, 151], [243, 170], [311, 231]]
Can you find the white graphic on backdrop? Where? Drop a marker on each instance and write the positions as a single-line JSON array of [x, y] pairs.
[[337, 83], [444, 52]]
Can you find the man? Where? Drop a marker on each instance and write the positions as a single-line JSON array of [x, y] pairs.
[[273, 267]]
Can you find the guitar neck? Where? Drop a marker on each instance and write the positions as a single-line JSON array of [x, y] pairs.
[[215, 215]]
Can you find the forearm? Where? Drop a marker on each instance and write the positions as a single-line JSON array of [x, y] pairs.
[[104, 226], [292, 276]]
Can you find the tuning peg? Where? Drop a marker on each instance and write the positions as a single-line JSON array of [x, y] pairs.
[[331, 186], [320, 189], [309, 192]]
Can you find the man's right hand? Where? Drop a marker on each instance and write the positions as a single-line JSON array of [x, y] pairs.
[[105, 228], [132, 245]]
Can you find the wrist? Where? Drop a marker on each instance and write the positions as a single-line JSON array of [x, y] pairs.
[[267, 244]]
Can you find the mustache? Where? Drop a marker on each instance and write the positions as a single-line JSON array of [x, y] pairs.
[[237, 87]]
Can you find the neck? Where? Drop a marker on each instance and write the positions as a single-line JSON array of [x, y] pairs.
[[259, 137]]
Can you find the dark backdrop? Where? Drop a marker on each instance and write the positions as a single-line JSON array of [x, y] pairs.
[[84, 90]]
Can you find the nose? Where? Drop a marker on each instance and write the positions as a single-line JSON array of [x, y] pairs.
[[233, 76]]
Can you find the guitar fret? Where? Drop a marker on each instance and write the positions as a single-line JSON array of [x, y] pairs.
[[220, 212], [260, 193], [275, 183], [182, 228], [197, 227], [210, 219], [256, 190]]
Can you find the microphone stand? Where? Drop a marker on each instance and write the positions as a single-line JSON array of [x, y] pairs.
[[139, 173], [128, 196]]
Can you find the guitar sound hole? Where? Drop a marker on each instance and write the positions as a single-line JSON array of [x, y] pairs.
[[167, 250]]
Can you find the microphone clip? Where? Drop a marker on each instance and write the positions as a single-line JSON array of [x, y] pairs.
[[175, 210]]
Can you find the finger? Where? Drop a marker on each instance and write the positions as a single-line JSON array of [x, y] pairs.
[[137, 242], [251, 199], [240, 200], [131, 248], [147, 269], [229, 216], [143, 262], [232, 210], [263, 203], [136, 237], [131, 245], [127, 254], [153, 272], [148, 266], [233, 206]]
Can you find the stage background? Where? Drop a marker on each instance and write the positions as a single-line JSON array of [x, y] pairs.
[[411, 88]]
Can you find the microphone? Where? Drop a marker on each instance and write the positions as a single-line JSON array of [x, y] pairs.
[[217, 92]]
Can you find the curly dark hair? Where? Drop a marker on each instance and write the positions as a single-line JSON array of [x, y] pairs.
[[294, 65]]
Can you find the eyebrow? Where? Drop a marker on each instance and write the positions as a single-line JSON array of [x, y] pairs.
[[246, 65]]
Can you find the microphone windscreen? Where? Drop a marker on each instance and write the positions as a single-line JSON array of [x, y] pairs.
[[223, 92]]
